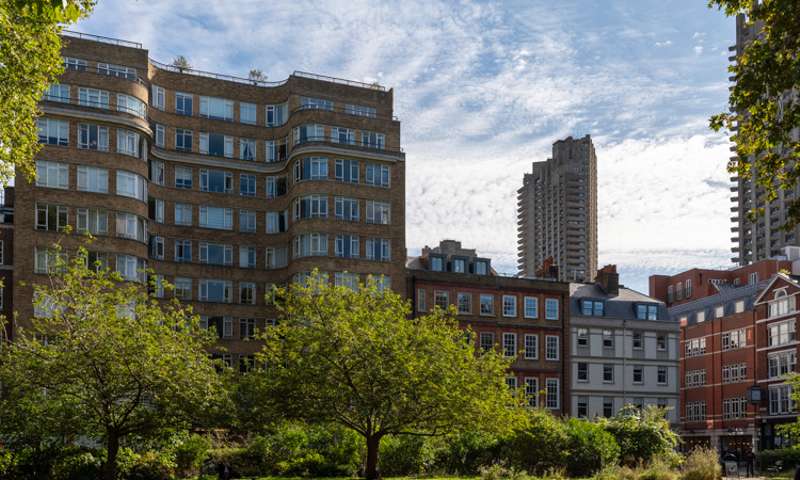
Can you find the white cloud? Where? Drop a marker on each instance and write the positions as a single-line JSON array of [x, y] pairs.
[[698, 49], [665, 43]]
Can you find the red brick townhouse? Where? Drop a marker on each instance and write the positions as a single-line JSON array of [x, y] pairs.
[[525, 317]]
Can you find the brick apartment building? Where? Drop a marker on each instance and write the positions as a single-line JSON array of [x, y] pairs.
[[738, 342], [224, 186], [525, 317]]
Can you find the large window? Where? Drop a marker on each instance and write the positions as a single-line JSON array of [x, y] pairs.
[[216, 217], [734, 339], [277, 222], [553, 394], [92, 220], [215, 291], [781, 305], [311, 206], [51, 217], [216, 144], [120, 71], [52, 174], [247, 149], [377, 175], [247, 185], [127, 142], [92, 179], [183, 177], [131, 185], [276, 187], [373, 140], [510, 344], [360, 110], [780, 400], [277, 114], [647, 312], [343, 135], [183, 214], [347, 170], [53, 132], [316, 103], [346, 208], [132, 227], [247, 221], [57, 92], [781, 363], [247, 257], [551, 309], [183, 103], [781, 333], [592, 308], [347, 246], [216, 253], [276, 150], [276, 257], [378, 212], [378, 249], [551, 347], [92, 97], [131, 268], [217, 181], [183, 288], [132, 105], [183, 140], [93, 137], [695, 411], [309, 133], [311, 168], [247, 113], [183, 251], [217, 108], [157, 96], [310, 244]]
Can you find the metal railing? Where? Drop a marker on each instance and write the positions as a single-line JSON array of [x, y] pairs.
[[102, 106], [109, 73], [344, 110], [341, 81], [217, 76], [100, 38], [356, 145]]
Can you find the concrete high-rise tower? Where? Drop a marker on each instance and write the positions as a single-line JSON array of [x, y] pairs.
[[557, 212]]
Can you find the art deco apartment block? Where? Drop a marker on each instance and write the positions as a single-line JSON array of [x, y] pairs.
[[223, 186], [525, 318], [557, 212]]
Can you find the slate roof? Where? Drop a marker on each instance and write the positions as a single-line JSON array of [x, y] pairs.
[[727, 297], [620, 306]]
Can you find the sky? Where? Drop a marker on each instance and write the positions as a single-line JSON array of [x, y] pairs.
[[483, 89]]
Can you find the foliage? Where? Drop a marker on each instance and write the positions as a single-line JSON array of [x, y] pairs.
[[181, 62], [617, 472], [498, 471], [702, 464], [354, 357], [256, 74], [764, 111], [788, 458], [541, 446], [190, 452], [30, 55], [407, 455], [641, 434], [465, 452], [590, 447], [151, 465], [104, 361]]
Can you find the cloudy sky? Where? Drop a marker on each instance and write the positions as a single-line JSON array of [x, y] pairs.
[[484, 88]]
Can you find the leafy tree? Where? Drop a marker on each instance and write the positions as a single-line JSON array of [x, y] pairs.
[[256, 74], [765, 106], [641, 434], [104, 360], [591, 448], [181, 62], [356, 358], [30, 60]]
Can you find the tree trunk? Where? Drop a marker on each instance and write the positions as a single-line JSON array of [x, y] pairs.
[[373, 445], [112, 449]]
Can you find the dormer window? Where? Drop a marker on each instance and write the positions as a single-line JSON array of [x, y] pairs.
[[781, 304], [592, 308], [459, 265], [437, 264], [646, 312], [481, 267]]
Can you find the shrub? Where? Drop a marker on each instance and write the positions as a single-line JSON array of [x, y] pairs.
[[407, 455], [641, 434], [702, 464], [152, 465], [789, 458], [190, 453], [590, 448], [540, 447], [465, 453], [77, 465], [499, 471], [616, 472], [659, 470]]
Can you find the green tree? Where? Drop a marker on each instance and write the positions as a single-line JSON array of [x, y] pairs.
[[30, 60], [181, 62], [104, 360], [356, 358], [641, 434], [765, 106]]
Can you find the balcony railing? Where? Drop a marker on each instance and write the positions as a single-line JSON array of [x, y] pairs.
[[341, 81], [217, 76], [100, 38], [344, 110], [100, 106], [327, 140]]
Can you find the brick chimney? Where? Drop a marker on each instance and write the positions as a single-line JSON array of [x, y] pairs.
[[548, 269], [608, 279]]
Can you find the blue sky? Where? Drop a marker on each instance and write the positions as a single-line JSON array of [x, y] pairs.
[[484, 88]]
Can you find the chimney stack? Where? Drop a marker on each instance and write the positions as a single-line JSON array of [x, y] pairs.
[[549, 269], [608, 279]]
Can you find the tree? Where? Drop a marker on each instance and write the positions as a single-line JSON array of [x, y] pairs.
[[30, 60], [181, 62], [641, 433], [103, 359], [764, 103], [354, 357], [256, 75]]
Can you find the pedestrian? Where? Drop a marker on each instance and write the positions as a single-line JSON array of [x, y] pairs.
[[750, 460]]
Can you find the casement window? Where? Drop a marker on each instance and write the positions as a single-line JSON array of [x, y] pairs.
[[486, 340], [92, 220], [183, 177], [531, 346], [52, 131], [592, 308], [373, 140], [157, 208], [276, 187], [46, 260], [57, 92], [781, 305], [316, 103], [247, 293], [688, 288], [638, 374], [51, 217], [347, 170], [531, 307], [346, 208], [422, 305], [132, 227], [661, 342], [311, 168], [608, 407], [131, 185], [216, 144], [183, 214], [310, 244], [92, 97], [131, 268], [217, 181], [378, 212], [437, 263], [781, 333], [247, 257], [734, 339], [553, 394], [277, 114], [247, 185], [509, 344], [646, 312], [695, 347], [670, 294], [247, 221], [736, 372], [347, 246], [247, 149], [486, 304], [695, 378], [509, 306], [157, 247], [216, 253], [780, 400], [183, 288], [551, 347], [752, 278], [360, 110], [127, 142], [247, 326], [551, 309], [378, 249], [481, 267], [532, 391], [661, 375], [377, 175], [183, 251], [215, 291], [132, 105], [459, 265], [464, 302], [216, 108], [511, 383], [276, 257], [277, 222], [311, 206], [119, 71], [583, 372], [309, 133], [157, 97], [781, 363], [183, 140], [276, 150], [247, 113], [343, 135], [734, 408], [92, 179], [216, 217], [608, 373], [608, 339], [157, 172], [695, 411], [346, 279], [637, 340]]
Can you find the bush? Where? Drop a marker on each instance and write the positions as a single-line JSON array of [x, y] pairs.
[[790, 458], [465, 453], [498, 471], [659, 470], [702, 464], [590, 448], [77, 465], [407, 455], [616, 472], [190, 453], [641, 434], [151, 465], [540, 447]]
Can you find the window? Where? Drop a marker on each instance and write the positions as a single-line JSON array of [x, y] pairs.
[[310, 244], [247, 149], [511, 382], [781, 333], [583, 372], [583, 337], [46, 260], [276, 150], [311, 206], [695, 347], [377, 175], [215, 291], [360, 110], [343, 135], [437, 264], [734, 339], [719, 311], [92, 220], [247, 293], [157, 96], [551, 309], [183, 250], [132, 105], [638, 374], [487, 304], [695, 378], [551, 347], [93, 137], [738, 307], [92, 179], [347, 246], [781, 363], [183, 288], [481, 267], [276, 257], [700, 317], [608, 373], [459, 265], [552, 391], [183, 214], [347, 170], [157, 172], [120, 71], [216, 144], [157, 247], [509, 306], [670, 294], [183, 177], [51, 217], [276, 187], [247, 113], [247, 221], [688, 288], [608, 339], [132, 227], [486, 341], [509, 344], [217, 181], [780, 400], [277, 114], [441, 299], [736, 372], [216, 217], [247, 257], [131, 185], [582, 407], [592, 308], [183, 140], [695, 411], [183, 103], [309, 133], [373, 140], [464, 303], [131, 268], [127, 142], [57, 93], [532, 391], [216, 253], [217, 108], [646, 312], [531, 307], [53, 132], [316, 103], [781, 305], [378, 249], [92, 97], [421, 303], [608, 407], [311, 168], [531, 347], [734, 407], [752, 278], [638, 343], [247, 326], [346, 208], [661, 342]]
